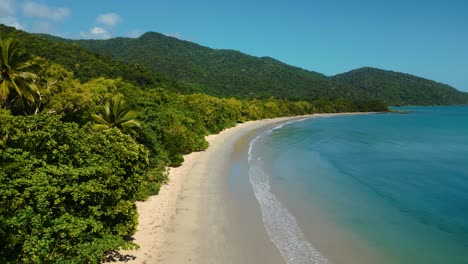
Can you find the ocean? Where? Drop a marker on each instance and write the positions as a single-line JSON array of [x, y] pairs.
[[377, 188]]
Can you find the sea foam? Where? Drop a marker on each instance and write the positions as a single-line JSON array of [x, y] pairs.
[[279, 223]]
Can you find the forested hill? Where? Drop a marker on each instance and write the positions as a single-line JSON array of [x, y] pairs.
[[401, 89], [86, 64], [219, 72], [155, 60], [232, 73]]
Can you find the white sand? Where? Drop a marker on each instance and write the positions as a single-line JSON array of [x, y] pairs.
[[187, 221]]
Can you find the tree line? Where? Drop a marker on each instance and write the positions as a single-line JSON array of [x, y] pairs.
[[75, 155]]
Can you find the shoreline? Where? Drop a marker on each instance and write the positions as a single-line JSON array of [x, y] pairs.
[[189, 220]]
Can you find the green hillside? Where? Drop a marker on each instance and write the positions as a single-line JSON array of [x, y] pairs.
[[232, 73], [155, 60], [401, 89], [86, 64], [217, 72]]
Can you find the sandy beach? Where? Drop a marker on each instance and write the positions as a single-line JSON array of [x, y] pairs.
[[195, 217]]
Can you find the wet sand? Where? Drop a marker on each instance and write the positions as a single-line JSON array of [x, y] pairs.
[[207, 213], [194, 219]]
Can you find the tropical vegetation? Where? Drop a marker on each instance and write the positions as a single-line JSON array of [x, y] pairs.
[[16, 83], [116, 114], [397, 88], [232, 73], [155, 60], [84, 136], [77, 153]]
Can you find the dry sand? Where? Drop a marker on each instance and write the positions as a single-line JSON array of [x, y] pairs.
[[191, 219]]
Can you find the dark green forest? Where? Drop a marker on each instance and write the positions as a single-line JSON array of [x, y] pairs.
[[231, 73], [401, 89], [86, 65], [83, 137], [155, 60]]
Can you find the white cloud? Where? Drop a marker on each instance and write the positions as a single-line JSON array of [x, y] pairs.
[[7, 14], [96, 33], [11, 21], [6, 8], [109, 19], [33, 9], [134, 33]]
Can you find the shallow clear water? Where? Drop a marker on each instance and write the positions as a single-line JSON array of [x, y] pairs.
[[396, 184]]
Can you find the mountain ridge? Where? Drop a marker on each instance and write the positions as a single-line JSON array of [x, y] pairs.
[[268, 76], [154, 59], [396, 83]]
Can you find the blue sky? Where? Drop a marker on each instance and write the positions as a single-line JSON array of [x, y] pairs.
[[425, 38]]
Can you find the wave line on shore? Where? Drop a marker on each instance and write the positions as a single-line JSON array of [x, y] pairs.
[[279, 223]]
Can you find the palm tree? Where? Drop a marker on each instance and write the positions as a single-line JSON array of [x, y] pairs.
[[15, 81], [116, 114]]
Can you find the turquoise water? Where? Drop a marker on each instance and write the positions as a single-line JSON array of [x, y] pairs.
[[395, 183]]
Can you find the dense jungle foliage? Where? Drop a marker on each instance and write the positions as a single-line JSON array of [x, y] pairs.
[[401, 89], [232, 73], [86, 65], [155, 60], [76, 153]]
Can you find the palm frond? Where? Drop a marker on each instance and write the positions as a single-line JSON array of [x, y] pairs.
[[22, 83], [99, 120], [116, 114], [123, 115], [5, 51], [24, 65], [28, 76], [131, 124], [15, 86], [100, 127], [116, 104], [13, 54], [107, 113], [4, 89]]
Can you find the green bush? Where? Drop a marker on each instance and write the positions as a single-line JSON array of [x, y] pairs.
[[67, 193]]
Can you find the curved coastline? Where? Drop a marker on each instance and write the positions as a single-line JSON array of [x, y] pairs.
[[279, 222], [188, 221]]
